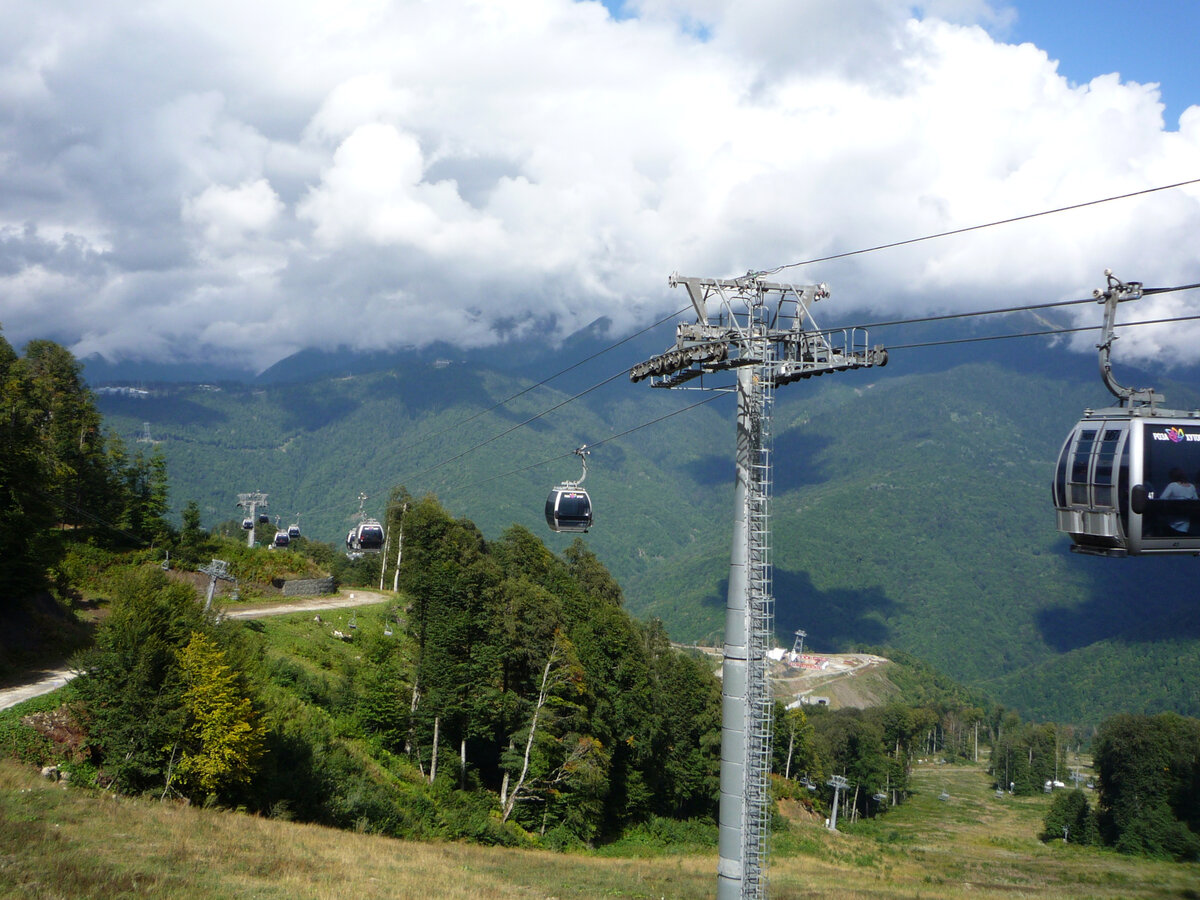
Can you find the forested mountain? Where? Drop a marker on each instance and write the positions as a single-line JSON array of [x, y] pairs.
[[911, 504]]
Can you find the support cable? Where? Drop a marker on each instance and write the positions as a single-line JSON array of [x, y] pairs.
[[1013, 309], [1053, 331], [942, 234], [911, 346], [594, 444], [544, 381], [522, 424]]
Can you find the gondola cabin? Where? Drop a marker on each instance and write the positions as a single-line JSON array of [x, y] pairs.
[[248, 524], [263, 519], [366, 538], [281, 539], [293, 531], [1113, 481], [1125, 480], [569, 508]]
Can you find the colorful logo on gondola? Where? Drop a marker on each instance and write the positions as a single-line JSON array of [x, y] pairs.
[[1175, 435]]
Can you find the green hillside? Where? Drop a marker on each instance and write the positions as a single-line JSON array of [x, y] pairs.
[[910, 510]]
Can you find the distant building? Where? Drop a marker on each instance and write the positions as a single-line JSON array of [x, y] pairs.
[[122, 391]]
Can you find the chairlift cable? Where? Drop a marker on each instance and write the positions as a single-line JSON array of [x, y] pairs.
[[967, 315]]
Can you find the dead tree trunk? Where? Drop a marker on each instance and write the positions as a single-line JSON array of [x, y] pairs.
[[437, 721], [543, 694]]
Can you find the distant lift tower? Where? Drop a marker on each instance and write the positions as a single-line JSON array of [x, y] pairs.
[[251, 503], [798, 644], [763, 334]]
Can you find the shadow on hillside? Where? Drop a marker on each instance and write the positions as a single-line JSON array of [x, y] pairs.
[[794, 459], [834, 619], [1139, 600], [796, 465], [307, 408], [711, 470]]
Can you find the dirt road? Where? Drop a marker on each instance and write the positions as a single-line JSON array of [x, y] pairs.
[[44, 681], [306, 604]]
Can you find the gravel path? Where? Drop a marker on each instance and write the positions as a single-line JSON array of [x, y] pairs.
[[44, 681]]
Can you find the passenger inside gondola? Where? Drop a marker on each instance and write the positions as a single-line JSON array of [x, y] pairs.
[[1179, 489]]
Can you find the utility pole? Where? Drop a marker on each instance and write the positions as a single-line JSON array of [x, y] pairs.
[[250, 503], [761, 333]]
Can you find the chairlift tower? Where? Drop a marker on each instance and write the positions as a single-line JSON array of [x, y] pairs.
[[838, 783], [761, 333], [217, 570]]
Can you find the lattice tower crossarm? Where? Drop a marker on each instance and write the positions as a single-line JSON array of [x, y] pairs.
[[763, 334]]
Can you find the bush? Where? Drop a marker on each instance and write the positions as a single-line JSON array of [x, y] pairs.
[[1072, 818]]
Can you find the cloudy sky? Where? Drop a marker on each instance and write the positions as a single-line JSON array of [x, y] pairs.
[[235, 181]]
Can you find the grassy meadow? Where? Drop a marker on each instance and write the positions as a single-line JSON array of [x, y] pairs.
[[57, 841]]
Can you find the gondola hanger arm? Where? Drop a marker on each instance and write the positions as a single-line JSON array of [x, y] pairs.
[[1119, 292]]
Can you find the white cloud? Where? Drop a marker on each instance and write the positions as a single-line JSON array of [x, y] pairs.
[[255, 178], [228, 216]]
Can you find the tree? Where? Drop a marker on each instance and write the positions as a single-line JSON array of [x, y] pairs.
[[1149, 784], [1025, 757], [193, 545], [223, 739], [130, 680], [562, 677], [1070, 818], [794, 741], [25, 510], [854, 744], [68, 427], [145, 496]]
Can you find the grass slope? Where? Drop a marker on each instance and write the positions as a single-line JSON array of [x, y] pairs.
[[61, 842]]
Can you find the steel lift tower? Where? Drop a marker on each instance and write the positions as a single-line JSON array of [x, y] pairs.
[[763, 334], [250, 503]]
